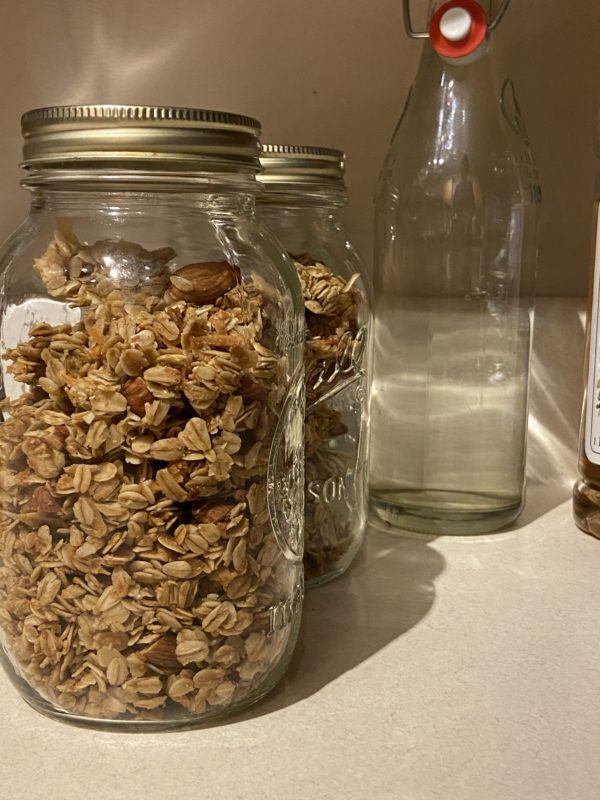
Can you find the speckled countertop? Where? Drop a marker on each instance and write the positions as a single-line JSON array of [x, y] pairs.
[[437, 668]]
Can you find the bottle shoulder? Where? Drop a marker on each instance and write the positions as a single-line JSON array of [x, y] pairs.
[[485, 154], [452, 112]]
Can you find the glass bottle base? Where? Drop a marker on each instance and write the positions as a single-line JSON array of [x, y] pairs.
[[445, 513], [586, 508]]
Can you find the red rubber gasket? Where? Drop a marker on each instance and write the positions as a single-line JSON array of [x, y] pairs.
[[471, 42]]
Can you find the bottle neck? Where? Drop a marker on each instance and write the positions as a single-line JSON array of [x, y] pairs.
[[457, 109], [475, 74]]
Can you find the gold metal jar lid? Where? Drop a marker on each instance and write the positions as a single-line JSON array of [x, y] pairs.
[[155, 137], [295, 167]]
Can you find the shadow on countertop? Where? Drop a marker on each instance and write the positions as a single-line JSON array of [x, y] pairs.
[[391, 586], [388, 590]]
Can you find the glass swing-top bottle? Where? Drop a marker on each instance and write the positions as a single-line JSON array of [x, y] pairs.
[[453, 282]]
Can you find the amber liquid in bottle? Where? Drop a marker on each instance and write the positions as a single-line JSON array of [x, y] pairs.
[[586, 492]]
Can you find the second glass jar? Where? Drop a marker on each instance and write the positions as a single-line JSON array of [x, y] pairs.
[[304, 192]]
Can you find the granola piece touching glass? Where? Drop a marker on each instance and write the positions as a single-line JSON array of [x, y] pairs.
[[332, 360]]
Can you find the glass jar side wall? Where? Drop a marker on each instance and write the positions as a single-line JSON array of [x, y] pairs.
[[150, 344], [338, 319]]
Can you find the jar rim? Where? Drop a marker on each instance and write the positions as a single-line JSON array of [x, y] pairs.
[[83, 177], [301, 196]]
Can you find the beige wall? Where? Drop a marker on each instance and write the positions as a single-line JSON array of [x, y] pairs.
[[331, 72]]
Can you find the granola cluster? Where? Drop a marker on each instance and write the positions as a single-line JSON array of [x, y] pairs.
[[332, 328], [139, 572]]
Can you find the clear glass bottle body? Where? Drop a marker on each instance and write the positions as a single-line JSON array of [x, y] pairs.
[[453, 288], [150, 452], [336, 495]]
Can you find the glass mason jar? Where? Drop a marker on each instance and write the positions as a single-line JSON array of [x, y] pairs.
[[454, 273], [151, 423], [304, 192], [586, 491]]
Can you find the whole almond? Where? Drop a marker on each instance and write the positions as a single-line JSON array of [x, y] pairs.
[[336, 428], [213, 514], [205, 282], [250, 390], [137, 393], [41, 500], [161, 653]]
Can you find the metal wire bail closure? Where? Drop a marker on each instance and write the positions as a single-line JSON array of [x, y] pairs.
[[492, 25]]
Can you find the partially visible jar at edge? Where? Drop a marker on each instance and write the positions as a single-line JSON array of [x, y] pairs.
[[586, 492], [304, 191], [151, 422]]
